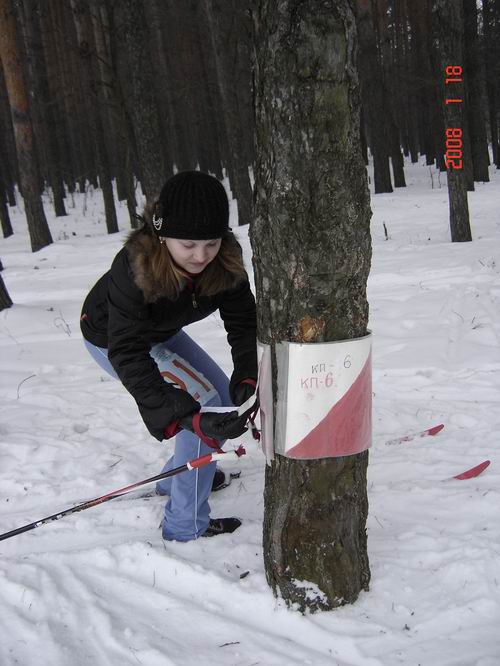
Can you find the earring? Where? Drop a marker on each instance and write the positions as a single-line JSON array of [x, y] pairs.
[[163, 240], [157, 222]]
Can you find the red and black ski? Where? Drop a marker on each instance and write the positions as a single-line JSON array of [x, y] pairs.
[[472, 472], [430, 432]]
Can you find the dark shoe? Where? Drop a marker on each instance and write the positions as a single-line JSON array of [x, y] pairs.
[[221, 526], [223, 479]]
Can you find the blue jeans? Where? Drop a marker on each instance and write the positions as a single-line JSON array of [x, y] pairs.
[[187, 511]]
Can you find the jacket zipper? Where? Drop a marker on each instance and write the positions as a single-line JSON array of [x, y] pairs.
[[193, 295]]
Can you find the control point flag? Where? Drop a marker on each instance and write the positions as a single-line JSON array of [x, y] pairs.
[[324, 404]]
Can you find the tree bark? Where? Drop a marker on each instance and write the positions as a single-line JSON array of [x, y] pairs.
[[449, 17], [312, 250], [26, 155]]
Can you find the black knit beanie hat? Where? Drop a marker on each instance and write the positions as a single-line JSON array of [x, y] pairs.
[[192, 205]]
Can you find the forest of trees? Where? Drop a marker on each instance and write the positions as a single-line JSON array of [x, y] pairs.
[[128, 91], [114, 93]]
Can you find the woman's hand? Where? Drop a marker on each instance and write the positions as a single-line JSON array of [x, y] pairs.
[[243, 391], [215, 425]]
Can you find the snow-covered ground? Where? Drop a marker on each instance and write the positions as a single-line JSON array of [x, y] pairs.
[[101, 588]]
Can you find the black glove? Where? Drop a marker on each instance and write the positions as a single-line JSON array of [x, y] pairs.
[[242, 392], [216, 425]]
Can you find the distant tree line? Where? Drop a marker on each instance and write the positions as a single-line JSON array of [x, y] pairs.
[[126, 91]]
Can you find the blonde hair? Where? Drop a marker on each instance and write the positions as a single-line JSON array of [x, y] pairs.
[[225, 271]]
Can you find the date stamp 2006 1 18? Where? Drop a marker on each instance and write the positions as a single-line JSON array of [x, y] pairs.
[[453, 155]]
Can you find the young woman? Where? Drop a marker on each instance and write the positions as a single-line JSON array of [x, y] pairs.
[[182, 265]]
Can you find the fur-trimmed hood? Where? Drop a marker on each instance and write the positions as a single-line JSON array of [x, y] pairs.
[[141, 246]]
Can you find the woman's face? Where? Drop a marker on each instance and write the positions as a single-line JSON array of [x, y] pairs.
[[193, 256]]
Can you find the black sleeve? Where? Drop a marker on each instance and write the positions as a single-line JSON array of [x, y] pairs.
[[129, 324], [239, 315]]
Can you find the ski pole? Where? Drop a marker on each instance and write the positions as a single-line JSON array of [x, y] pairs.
[[189, 466]]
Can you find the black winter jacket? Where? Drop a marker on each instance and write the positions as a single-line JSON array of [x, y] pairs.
[[124, 313]]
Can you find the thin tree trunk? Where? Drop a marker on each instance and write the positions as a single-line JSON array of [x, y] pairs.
[[59, 34], [43, 103], [103, 77], [5, 299], [115, 116], [373, 96], [475, 112], [135, 73], [58, 125], [450, 26], [4, 211], [398, 48], [312, 250], [26, 155], [391, 92], [214, 128], [91, 85], [7, 143], [169, 85], [491, 23], [202, 126], [223, 22], [244, 85], [422, 72]]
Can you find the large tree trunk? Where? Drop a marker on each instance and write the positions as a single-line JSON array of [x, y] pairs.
[[449, 17], [26, 155], [312, 251]]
